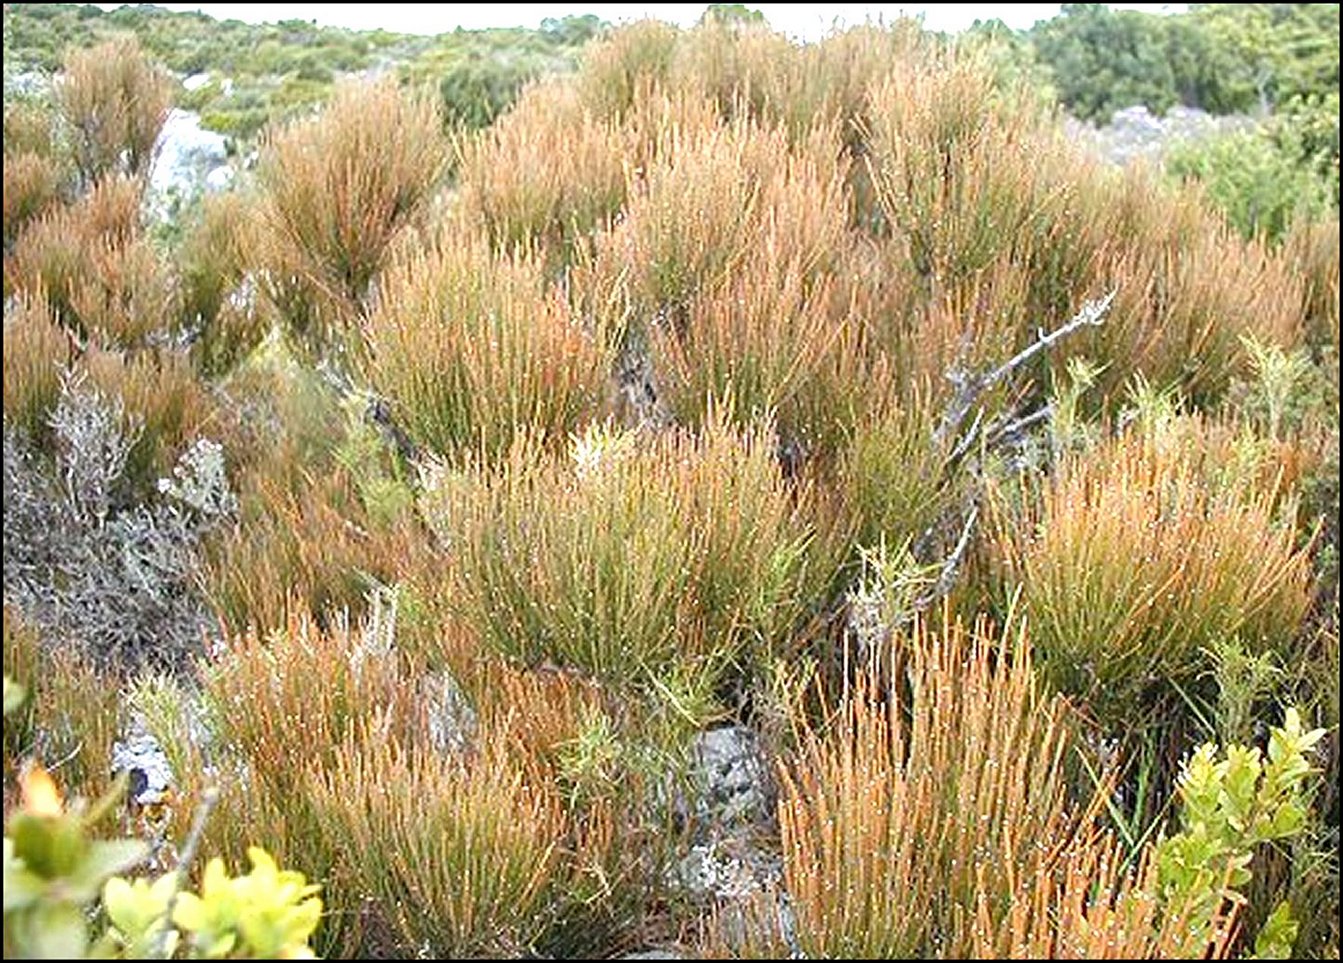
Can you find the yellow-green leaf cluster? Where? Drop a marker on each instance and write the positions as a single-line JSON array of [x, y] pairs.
[[1229, 806], [268, 914]]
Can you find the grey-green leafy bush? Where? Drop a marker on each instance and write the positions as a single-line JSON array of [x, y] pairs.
[[89, 566]]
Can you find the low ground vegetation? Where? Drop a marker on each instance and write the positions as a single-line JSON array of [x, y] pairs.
[[431, 493]]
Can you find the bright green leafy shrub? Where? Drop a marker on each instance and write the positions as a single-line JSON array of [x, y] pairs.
[[267, 914], [1229, 806], [53, 869]]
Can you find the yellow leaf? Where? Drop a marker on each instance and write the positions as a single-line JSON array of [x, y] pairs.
[[189, 913], [40, 795]]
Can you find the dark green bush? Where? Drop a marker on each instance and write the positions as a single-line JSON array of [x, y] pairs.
[[1259, 185]]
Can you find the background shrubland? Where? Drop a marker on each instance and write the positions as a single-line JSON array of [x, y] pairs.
[[541, 409]]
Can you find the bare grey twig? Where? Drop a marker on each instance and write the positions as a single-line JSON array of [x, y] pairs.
[[951, 566], [1092, 313], [209, 799], [1014, 429], [971, 387], [999, 430]]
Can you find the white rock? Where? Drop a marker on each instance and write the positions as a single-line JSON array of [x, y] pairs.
[[27, 82], [730, 777], [186, 157], [196, 81], [141, 755], [220, 178]]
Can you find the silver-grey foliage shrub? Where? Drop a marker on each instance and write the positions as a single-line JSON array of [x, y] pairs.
[[90, 566]]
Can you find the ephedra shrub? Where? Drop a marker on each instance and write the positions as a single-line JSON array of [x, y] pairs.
[[1140, 559], [965, 785], [36, 350], [664, 565], [96, 267], [959, 773], [339, 189], [473, 348], [114, 103], [549, 171], [741, 234], [34, 177], [973, 179]]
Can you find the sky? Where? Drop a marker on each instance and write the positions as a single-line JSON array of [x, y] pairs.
[[801, 21]]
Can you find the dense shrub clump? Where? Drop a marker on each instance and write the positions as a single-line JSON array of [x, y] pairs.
[[433, 504]]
